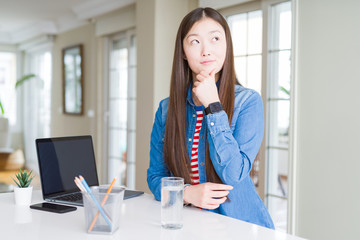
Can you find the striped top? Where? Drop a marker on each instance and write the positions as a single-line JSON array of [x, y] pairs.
[[194, 151]]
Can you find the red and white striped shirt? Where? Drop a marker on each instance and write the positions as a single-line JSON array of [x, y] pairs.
[[194, 151]]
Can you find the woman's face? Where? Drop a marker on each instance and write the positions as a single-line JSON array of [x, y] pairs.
[[205, 46]]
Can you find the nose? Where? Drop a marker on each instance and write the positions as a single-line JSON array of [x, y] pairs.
[[205, 50]]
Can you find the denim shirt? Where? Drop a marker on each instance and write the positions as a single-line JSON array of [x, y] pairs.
[[233, 149]]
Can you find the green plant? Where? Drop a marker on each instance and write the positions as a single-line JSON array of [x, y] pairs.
[[17, 84], [2, 109], [284, 90], [24, 178], [24, 79]]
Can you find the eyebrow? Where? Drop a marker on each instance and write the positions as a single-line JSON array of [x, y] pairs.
[[195, 34]]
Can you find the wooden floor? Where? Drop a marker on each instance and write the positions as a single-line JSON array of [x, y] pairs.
[[6, 180]]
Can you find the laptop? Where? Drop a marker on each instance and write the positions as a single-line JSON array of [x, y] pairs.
[[63, 158]]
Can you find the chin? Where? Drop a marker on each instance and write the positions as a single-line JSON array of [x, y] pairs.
[[209, 69]]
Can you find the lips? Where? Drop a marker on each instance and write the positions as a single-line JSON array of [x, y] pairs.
[[207, 62]]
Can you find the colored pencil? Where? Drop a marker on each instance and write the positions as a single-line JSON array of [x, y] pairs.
[[102, 203], [82, 189], [79, 184], [95, 201]]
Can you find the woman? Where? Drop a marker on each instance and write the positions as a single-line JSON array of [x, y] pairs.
[[210, 128]]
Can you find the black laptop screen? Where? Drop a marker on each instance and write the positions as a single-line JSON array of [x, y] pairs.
[[61, 159]]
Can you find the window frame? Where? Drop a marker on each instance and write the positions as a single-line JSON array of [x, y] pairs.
[[131, 113], [28, 55], [265, 6], [15, 116]]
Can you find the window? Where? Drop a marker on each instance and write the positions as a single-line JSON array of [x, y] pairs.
[[7, 85], [278, 112], [261, 34], [37, 102], [121, 109], [246, 33]]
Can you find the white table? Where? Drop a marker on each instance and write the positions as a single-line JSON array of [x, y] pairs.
[[140, 220]]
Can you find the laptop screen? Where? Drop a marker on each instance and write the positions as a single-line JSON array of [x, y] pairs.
[[61, 159]]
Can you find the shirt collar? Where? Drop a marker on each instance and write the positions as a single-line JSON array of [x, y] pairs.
[[189, 95]]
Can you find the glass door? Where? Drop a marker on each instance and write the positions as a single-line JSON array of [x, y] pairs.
[[261, 34], [278, 113], [121, 109], [246, 31], [37, 94]]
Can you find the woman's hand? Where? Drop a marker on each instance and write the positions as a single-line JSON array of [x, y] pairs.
[[205, 88], [207, 195]]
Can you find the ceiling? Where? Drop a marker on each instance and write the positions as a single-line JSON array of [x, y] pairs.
[[18, 14], [21, 20]]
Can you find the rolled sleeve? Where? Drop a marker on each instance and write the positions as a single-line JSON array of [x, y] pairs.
[[233, 151], [217, 122]]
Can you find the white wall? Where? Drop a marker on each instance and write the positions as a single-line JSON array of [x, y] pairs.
[[167, 20], [71, 125], [145, 28], [157, 22], [328, 83]]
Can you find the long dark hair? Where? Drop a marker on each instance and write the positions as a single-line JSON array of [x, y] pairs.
[[175, 150]]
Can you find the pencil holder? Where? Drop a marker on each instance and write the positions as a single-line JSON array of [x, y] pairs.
[[103, 210]]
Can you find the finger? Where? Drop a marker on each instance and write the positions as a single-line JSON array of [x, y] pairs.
[[200, 77], [219, 187], [217, 201], [205, 74], [211, 206], [219, 194], [196, 83]]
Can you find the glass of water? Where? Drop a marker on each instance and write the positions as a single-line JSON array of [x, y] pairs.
[[172, 189]]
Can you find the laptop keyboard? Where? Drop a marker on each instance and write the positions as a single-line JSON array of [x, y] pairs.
[[74, 197]]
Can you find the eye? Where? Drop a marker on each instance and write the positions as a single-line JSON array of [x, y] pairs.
[[215, 39], [195, 41]]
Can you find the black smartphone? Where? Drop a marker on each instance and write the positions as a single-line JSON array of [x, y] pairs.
[[131, 193], [51, 207]]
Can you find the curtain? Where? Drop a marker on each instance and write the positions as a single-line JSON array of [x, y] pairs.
[[36, 104]]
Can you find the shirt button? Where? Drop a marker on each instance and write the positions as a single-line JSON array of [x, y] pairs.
[[212, 124], [194, 115], [202, 164], [189, 139]]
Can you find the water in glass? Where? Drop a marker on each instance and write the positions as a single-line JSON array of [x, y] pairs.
[[171, 207]]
